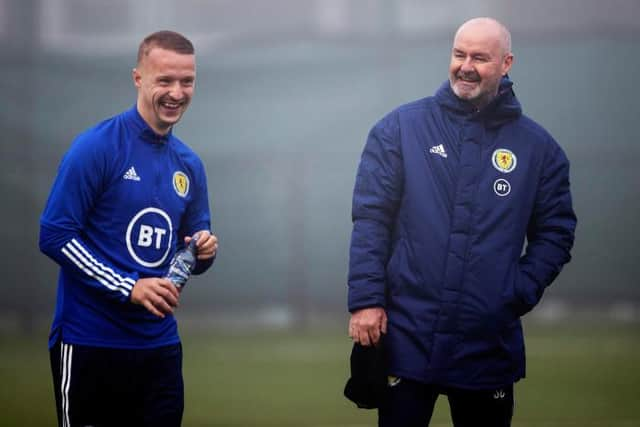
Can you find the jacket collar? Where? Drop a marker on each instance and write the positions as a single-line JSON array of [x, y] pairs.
[[504, 108], [144, 130]]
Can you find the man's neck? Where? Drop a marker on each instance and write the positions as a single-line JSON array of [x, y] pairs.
[[146, 116]]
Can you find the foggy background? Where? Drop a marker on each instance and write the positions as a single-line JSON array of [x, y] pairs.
[[286, 93]]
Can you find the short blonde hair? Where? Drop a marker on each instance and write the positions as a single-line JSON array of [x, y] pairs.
[[169, 40]]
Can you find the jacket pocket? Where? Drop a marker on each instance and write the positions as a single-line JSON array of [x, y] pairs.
[[493, 311], [514, 304]]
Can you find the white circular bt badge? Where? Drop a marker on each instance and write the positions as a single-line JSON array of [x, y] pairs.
[[501, 187]]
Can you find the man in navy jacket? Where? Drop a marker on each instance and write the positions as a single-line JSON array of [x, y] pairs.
[[447, 191]]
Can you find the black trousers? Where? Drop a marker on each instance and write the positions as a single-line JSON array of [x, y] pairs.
[[102, 387], [410, 404]]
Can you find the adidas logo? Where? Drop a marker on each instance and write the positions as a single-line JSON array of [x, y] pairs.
[[131, 174], [438, 149]]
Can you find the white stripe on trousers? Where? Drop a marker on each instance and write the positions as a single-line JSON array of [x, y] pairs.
[[66, 356]]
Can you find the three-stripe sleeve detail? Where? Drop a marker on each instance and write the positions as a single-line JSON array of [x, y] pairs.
[[83, 259]]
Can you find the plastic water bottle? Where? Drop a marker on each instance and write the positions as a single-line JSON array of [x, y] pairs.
[[182, 264]]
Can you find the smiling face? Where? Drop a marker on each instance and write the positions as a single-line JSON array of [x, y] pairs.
[[165, 80], [481, 55]]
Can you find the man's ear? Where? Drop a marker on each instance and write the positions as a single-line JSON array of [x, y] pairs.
[[507, 63], [137, 77]]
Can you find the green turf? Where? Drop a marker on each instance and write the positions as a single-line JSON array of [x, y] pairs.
[[578, 375]]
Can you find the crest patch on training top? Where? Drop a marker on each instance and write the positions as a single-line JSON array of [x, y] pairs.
[[181, 183], [504, 160]]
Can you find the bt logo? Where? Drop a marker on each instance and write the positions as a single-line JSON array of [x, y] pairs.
[[146, 236], [502, 187], [149, 237]]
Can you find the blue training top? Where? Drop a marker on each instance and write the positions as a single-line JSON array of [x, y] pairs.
[[121, 205]]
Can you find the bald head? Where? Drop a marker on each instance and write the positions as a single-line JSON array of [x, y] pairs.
[[490, 28], [480, 57]]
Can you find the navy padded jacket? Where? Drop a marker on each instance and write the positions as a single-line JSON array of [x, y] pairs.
[[444, 200]]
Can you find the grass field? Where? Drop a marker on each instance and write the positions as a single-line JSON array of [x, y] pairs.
[[579, 375]]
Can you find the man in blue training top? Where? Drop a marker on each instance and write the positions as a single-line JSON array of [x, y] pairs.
[[127, 196], [448, 189]]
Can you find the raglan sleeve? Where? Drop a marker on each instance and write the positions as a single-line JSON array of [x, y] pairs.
[[77, 187], [198, 214], [376, 196], [551, 230]]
